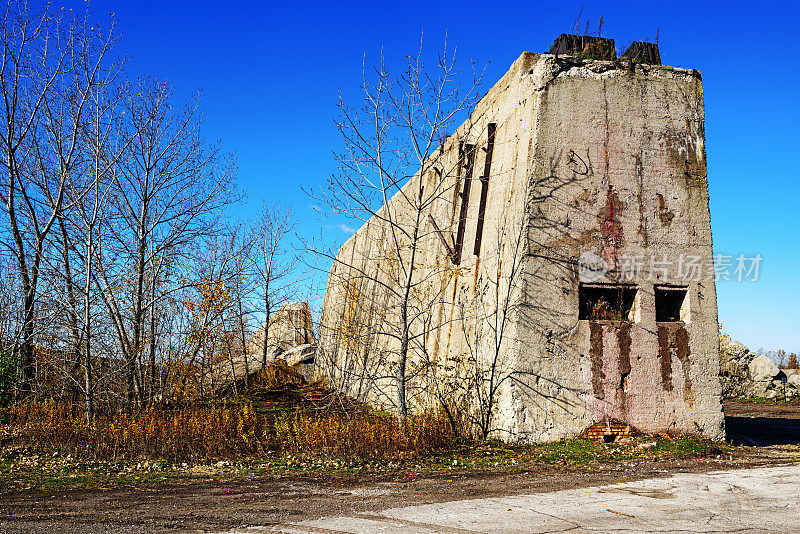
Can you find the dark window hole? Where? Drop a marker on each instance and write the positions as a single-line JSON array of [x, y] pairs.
[[606, 302], [670, 303]]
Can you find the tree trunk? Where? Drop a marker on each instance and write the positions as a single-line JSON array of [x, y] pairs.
[[402, 357], [72, 312], [268, 310], [87, 333], [26, 351], [243, 334], [400, 377], [152, 344], [26, 374]]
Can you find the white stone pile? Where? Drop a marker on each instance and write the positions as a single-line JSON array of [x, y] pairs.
[[746, 374]]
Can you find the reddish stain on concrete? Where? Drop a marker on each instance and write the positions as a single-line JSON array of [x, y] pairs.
[[640, 200], [611, 225], [596, 354], [664, 213], [681, 337], [665, 355], [624, 344]]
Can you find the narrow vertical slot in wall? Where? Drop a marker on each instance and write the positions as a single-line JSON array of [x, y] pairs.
[[457, 188], [462, 218], [487, 169]]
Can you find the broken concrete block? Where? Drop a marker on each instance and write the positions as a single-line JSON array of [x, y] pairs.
[[762, 369], [289, 326], [734, 359], [290, 338], [299, 354], [794, 380]]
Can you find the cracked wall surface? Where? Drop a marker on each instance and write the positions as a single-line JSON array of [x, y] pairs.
[[595, 157]]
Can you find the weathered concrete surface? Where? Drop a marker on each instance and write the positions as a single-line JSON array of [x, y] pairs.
[[589, 157], [745, 501], [289, 327], [619, 167]]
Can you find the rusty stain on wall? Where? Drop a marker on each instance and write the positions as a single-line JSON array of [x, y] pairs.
[[682, 150], [640, 198], [624, 345], [596, 355], [642, 129], [681, 337], [664, 213], [665, 356], [611, 225]]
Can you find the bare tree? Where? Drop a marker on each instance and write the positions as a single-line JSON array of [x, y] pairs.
[[393, 172], [242, 288], [487, 322], [104, 150], [49, 68], [113, 207], [213, 306], [171, 188], [9, 303], [275, 264]]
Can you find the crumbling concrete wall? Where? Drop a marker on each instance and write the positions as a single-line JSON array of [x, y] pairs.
[[358, 343], [618, 171], [589, 157]]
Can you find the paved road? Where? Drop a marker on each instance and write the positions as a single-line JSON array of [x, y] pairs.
[[744, 501]]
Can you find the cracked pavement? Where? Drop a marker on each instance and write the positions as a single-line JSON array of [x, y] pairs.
[[742, 501]]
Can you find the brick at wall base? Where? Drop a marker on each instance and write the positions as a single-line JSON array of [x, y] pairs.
[[608, 431]]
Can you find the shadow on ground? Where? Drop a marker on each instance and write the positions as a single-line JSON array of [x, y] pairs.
[[762, 424], [761, 431]]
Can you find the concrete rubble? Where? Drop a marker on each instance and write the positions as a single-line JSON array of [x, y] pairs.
[[290, 339], [744, 373]]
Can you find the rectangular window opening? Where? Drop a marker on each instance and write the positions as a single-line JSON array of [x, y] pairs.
[[671, 304], [604, 302]]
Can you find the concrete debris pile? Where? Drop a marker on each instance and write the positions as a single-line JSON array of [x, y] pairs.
[[746, 374], [290, 338], [288, 327]]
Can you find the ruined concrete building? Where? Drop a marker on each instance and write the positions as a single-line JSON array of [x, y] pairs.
[[576, 218]]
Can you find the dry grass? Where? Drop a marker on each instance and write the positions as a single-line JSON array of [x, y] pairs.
[[364, 435], [217, 432], [277, 374]]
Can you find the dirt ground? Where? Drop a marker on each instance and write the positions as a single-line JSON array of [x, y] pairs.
[[223, 504]]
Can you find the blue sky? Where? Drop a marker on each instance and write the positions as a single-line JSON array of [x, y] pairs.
[[270, 75]]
